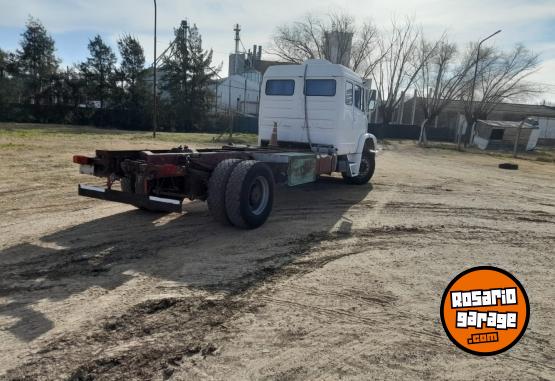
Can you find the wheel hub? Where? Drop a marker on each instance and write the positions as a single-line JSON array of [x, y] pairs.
[[259, 195]]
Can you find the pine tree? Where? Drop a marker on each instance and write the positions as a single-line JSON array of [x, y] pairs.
[[186, 76], [4, 80], [132, 67], [99, 70], [11, 84], [3, 64], [201, 78], [37, 63], [131, 73], [175, 71]]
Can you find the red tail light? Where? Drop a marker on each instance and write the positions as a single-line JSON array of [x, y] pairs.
[[83, 160]]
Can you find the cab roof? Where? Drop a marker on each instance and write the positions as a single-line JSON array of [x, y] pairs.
[[316, 68]]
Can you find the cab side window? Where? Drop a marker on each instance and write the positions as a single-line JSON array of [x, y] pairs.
[[280, 87], [320, 87], [358, 97], [348, 93]]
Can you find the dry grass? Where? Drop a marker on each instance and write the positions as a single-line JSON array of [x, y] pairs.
[[12, 133]]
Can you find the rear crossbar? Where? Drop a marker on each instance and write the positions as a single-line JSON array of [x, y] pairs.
[[142, 201]]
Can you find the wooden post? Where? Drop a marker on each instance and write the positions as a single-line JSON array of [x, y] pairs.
[[518, 137]]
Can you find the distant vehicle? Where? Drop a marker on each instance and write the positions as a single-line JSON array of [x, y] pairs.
[[312, 121]]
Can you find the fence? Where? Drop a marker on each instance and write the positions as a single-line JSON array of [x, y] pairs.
[[408, 131], [131, 119]]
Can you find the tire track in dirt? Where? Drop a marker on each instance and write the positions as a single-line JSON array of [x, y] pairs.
[[141, 335]]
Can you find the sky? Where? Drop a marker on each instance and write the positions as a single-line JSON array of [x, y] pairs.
[[73, 22]]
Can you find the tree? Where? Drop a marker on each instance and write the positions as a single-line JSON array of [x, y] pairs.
[[201, 77], [3, 64], [501, 77], [98, 70], [74, 86], [36, 60], [132, 61], [11, 85], [310, 38], [131, 73], [441, 80], [187, 74], [399, 65], [5, 81]]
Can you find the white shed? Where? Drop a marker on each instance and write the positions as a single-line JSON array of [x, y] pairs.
[[547, 131]]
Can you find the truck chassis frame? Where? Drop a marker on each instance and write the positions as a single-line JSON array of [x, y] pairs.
[[159, 180]]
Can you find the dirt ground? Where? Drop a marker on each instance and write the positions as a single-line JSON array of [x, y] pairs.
[[342, 282]]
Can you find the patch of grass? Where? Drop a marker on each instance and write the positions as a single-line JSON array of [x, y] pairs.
[[195, 138], [53, 131], [12, 146], [445, 146]]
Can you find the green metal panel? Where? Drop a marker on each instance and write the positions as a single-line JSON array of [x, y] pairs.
[[301, 169]]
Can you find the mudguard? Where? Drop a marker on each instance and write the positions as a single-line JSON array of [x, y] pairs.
[[354, 158]]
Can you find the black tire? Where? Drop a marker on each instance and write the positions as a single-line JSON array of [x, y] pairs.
[[367, 168], [249, 194], [216, 189], [510, 166]]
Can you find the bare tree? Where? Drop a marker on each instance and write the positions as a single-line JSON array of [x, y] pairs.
[[442, 79], [309, 39], [399, 65], [501, 78]]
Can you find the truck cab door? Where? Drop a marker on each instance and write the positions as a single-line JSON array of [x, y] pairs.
[[348, 116], [360, 122]]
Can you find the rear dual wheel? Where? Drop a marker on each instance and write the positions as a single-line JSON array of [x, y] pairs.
[[246, 200], [216, 189]]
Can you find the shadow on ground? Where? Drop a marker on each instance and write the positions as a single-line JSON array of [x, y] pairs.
[[189, 249]]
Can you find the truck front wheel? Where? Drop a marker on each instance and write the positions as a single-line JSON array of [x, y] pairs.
[[249, 194], [366, 170]]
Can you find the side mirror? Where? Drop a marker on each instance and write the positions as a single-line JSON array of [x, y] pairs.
[[371, 100]]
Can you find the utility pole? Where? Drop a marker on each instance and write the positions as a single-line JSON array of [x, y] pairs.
[[470, 132], [154, 90], [185, 28]]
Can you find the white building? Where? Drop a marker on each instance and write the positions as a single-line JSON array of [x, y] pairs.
[[238, 93]]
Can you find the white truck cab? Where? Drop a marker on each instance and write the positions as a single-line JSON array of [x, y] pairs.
[[320, 104]]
